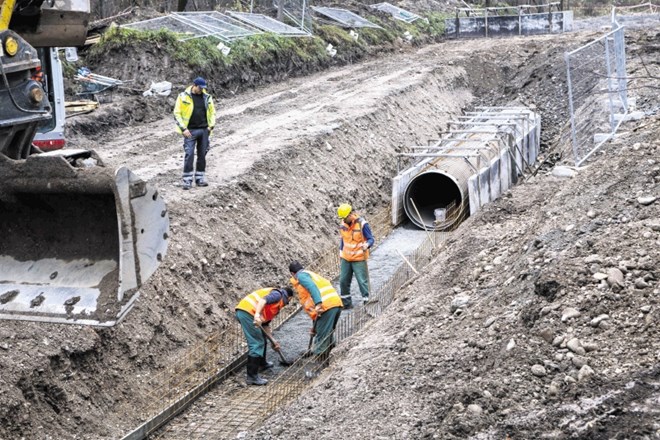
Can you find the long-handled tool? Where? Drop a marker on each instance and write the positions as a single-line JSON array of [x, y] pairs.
[[283, 360], [308, 353]]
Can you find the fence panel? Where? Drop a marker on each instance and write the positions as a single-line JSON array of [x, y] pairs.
[[597, 92]]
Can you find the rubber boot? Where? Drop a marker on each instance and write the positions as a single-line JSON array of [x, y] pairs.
[[253, 377], [264, 364]]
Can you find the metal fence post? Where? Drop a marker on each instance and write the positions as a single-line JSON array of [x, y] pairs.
[[620, 54], [609, 84], [567, 58]]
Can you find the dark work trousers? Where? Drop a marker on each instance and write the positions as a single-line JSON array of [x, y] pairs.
[[199, 141]]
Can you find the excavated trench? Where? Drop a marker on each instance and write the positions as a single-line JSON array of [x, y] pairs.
[[216, 414], [286, 159]]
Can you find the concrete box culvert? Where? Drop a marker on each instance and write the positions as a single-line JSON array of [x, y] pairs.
[[474, 165]]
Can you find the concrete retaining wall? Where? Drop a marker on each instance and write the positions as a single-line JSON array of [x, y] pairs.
[[505, 25]]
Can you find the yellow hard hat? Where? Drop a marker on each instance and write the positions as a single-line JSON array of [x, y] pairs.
[[344, 210]]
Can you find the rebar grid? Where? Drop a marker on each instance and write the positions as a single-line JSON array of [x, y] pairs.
[[238, 410], [597, 92], [201, 363]]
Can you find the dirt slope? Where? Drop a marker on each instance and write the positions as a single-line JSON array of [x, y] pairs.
[[539, 319], [548, 346], [286, 155]]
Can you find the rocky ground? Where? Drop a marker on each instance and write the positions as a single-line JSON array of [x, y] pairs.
[[527, 270]]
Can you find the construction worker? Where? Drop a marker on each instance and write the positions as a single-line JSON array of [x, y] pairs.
[[321, 302], [356, 240], [254, 313], [194, 113]]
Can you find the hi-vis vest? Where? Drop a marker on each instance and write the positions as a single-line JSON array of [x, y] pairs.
[[183, 109], [353, 238], [329, 296], [249, 304]]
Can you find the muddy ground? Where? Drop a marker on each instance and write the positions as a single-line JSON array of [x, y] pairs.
[[284, 156]]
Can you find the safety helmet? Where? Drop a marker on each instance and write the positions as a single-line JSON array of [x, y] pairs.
[[344, 210]]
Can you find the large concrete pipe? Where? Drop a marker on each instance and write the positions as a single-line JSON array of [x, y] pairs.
[[457, 175]]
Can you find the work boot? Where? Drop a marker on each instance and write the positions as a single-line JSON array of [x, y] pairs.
[[264, 364], [202, 182], [253, 377], [347, 303], [186, 185]]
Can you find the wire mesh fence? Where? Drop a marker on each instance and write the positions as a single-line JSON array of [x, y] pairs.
[[597, 92]]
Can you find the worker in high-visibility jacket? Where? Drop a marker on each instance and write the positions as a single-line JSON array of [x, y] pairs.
[[356, 240], [254, 313], [321, 302]]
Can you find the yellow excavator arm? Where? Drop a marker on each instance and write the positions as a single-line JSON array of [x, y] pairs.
[[77, 239]]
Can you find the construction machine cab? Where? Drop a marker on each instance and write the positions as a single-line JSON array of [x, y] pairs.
[[77, 239]]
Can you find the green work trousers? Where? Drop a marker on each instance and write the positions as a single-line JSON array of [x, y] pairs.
[[347, 269], [325, 330], [254, 335]]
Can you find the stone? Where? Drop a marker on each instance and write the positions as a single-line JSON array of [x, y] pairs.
[[553, 389], [579, 361], [593, 258], [591, 213], [510, 345], [614, 277], [641, 284], [475, 409], [598, 319], [585, 373], [547, 335], [569, 313], [538, 370], [575, 346], [647, 200], [600, 276], [589, 346], [490, 321], [558, 340], [328, 147], [460, 302], [564, 172], [645, 309]]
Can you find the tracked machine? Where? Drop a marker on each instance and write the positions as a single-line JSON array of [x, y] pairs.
[[77, 238]]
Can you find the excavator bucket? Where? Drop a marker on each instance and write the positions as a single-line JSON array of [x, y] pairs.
[[77, 239]]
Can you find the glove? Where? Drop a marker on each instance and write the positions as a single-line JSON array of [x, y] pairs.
[[257, 320], [319, 309], [276, 345], [365, 246]]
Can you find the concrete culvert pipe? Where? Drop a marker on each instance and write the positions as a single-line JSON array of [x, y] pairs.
[[437, 196], [474, 165]]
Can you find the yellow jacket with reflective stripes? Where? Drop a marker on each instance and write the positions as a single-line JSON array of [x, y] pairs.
[[329, 296], [249, 304], [183, 109]]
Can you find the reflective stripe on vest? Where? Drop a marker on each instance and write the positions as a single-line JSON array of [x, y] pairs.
[[249, 304], [353, 239], [329, 296]]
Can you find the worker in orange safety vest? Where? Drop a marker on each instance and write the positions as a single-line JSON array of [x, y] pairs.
[[356, 240], [254, 313], [321, 302]]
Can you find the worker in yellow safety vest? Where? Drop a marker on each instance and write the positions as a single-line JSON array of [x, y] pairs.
[[356, 240], [254, 313], [321, 302]]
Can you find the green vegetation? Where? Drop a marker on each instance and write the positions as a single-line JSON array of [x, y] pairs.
[[254, 59]]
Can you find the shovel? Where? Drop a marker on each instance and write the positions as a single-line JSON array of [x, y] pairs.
[[283, 360]]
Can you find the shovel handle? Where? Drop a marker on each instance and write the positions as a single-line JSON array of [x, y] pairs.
[[279, 352]]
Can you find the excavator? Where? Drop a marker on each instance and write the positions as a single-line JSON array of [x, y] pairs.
[[77, 238]]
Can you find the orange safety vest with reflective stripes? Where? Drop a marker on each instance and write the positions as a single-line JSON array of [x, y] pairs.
[[353, 239], [329, 296], [249, 304]]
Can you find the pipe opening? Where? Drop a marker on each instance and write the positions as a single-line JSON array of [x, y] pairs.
[[437, 198]]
